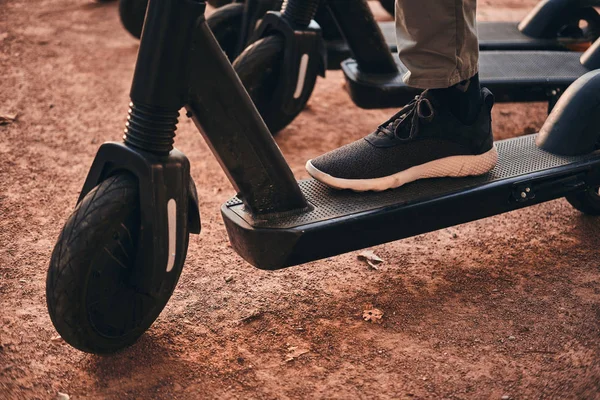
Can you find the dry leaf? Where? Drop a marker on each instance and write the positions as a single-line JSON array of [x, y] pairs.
[[6, 119], [294, 352], [372, 314], [370, 258], [254, 315]]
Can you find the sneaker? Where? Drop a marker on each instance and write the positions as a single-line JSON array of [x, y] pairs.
[[423, 140]]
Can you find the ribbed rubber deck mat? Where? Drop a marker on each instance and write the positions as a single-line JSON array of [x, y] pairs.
[[388, 28], [558, 67], [547, 66], [501, 32], [519, 156], [492, 35]]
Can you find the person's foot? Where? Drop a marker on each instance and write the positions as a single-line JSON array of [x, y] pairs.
[[424, 140]]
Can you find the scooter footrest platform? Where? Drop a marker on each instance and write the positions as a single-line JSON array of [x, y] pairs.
[[492, 35], [513, 76], [342, 221], [495, 35]]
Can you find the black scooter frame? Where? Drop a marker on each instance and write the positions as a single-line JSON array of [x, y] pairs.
[[177, 42]]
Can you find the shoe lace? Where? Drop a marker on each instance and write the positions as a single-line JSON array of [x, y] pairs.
[[414, 113]]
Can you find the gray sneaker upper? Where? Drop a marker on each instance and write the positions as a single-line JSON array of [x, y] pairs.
[[423, 131]]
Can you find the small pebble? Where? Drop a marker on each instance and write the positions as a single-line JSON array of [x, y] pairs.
[[228, 279], [505, 397], [62, 396], [511, 338]]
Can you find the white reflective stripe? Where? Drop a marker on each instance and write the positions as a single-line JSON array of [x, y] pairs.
[[301, 76], [172, 221]]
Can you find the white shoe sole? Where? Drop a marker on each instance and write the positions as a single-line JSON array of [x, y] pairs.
[[455, 166]]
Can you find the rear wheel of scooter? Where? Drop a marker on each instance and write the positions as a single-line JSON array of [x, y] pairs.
[[226, 24], [259, 68], [587, 202], [218, 3], [90, 297], [132, 14], [389, 6]]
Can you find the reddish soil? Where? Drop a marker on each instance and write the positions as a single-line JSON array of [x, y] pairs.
[[506, 306]]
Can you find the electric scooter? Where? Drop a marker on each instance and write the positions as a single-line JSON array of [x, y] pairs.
[[119, 256], [271, 68], [558, 25]]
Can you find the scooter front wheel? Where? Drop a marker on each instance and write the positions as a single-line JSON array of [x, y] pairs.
[[588, 202], [259, 68], [91, 299]]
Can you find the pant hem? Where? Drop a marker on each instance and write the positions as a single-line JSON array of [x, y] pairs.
[[439, 83]]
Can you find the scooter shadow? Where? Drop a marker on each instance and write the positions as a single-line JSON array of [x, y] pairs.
[[79, 7], [144, 365], [586, 229]]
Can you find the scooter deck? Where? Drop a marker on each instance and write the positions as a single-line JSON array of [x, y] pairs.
[[341, 221], [513, 76], [492, 36]]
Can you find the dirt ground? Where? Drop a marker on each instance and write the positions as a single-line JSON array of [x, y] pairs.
[[507, 306]]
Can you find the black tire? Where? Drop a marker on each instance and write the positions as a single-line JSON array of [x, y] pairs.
[[219, 3], [226, 24], [592, 18], [389, 6], [91, 301], [259, 67], [132, 14], [587, 202]]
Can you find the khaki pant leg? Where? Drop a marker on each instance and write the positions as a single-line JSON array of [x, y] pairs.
[[437, 41]]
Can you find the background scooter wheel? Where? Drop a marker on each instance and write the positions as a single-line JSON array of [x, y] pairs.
[[219, 3], [389, 6], [259, 69], [226, 24], [90, 297], [132, 14], [587, 202]]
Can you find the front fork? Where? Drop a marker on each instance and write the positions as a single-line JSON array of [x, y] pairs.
[[176, 42]]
